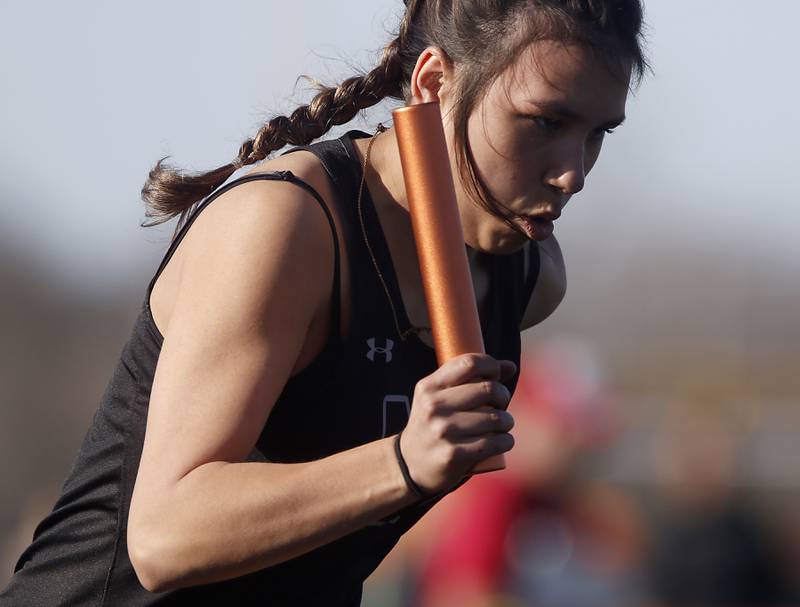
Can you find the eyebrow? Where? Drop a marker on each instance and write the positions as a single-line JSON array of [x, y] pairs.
[[562, 111]]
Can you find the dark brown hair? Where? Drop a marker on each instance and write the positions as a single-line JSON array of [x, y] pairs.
[[464, 30]]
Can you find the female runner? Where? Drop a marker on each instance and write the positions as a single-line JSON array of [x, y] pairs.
[[248, 448]]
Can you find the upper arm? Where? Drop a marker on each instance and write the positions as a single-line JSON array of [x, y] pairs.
[[551, 284], [258, 266]]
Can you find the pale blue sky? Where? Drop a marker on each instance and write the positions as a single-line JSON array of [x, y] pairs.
[[95, 92]]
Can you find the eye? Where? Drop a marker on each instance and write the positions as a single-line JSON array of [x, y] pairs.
[[545, 124], [599, 134]]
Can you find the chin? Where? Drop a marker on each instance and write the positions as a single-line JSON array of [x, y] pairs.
[[505, 244]]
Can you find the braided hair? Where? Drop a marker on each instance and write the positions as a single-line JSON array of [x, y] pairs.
[[463, 30]]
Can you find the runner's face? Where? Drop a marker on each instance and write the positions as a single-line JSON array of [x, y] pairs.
[[535, 136]]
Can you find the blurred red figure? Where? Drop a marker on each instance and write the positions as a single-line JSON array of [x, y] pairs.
[[561, 409]]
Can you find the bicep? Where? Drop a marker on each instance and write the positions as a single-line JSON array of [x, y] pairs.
[[551, 284], [254, 275]]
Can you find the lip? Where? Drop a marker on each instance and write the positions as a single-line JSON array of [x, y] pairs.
[[537, 227], [546, 215]]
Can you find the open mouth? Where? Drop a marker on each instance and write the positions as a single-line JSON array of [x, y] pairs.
[[537, 228]]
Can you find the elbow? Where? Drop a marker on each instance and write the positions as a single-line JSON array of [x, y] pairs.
[[149, 557], [553, 288], [558, 293], [547, 296], [550, 287], [550, 305]]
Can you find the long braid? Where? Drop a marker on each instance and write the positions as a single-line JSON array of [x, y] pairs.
[[482, 36], [169, 192]]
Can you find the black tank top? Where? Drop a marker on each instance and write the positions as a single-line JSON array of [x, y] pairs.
[[357, 390]]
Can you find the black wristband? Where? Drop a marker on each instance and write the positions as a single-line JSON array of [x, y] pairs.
[[415, 488]]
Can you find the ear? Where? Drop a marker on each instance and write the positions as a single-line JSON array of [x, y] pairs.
[[432, 79]]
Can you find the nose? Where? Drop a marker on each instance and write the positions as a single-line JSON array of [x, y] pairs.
[[567, 172]]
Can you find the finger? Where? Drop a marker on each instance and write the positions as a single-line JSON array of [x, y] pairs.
[[465, 368], [485, 393], [478, 422], [485, 447], [507, 369]]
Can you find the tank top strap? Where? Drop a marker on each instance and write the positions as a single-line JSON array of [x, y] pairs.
[[271, 176], [336, 158]]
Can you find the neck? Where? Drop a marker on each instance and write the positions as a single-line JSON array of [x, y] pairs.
[[384, 178], [384, 173]]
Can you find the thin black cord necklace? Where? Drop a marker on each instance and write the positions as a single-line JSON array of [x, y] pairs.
[[412, 330]]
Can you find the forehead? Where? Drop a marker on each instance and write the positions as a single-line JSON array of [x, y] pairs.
[[568, 74]]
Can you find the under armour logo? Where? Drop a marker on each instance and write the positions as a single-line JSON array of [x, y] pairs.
[[386, 351]]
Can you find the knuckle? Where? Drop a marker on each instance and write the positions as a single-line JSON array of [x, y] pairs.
[[436, 404], [439, 428], [423, 385], [429, 408], [469, 363]]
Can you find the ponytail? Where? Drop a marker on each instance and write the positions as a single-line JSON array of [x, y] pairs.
[[484, 37], [169, 192]]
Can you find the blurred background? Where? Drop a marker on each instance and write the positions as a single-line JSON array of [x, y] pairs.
[[657, 416]]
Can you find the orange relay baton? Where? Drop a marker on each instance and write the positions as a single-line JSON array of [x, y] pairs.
[[439, 238]]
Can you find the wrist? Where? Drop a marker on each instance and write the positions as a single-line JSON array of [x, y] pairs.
[[413, 488], [403, 496]]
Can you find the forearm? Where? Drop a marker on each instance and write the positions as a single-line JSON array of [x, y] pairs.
[[224, 520]]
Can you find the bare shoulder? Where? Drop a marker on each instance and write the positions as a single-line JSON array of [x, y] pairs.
[[304, 165], [251, 220], [262, 250], [257, 268], [252, 229]]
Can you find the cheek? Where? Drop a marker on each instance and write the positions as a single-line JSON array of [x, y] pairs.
[[592, 153], [503, 155]]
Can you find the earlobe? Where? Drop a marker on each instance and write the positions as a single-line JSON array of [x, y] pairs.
[[431, 76]]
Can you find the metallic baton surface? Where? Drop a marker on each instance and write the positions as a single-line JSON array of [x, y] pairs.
[[436, 222]]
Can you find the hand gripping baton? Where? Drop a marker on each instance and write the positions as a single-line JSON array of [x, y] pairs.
[[439, 238]]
